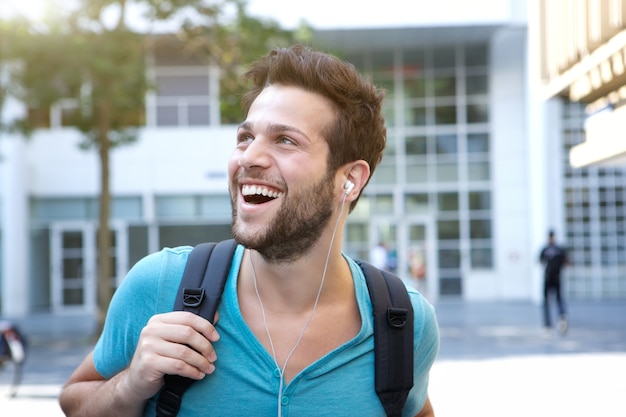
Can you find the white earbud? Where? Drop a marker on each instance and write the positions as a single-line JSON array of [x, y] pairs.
[[348, 186]]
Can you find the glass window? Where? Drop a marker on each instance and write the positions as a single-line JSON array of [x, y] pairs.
[[477, 112], [357, 59], [60, 209], [182, 85], [357, 232], [51, 209], [190, 206], [449, 258], [448, 202], [476, 56], [382, 63], [479, 200], [415, 116], [445, 115], [417, 233], [450, 285], [127, 208], [167, 115], [382, 204], [446, 144], [444, 86], [198, 115], [175, 207], [448, 229], [481, 257], [478, 171], [480, 229], [415, 58], [389, 113], [390, 149], [417, 173], [362, 209], [415, 88], [447, 172], [384, 174], [477, 142], [415, 145], [444, 58], [180, 235], [137, 243], [476, 84], [215, 207], [416, 203]]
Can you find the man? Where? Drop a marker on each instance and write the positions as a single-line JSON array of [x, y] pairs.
[[554, 258], [294, 329]]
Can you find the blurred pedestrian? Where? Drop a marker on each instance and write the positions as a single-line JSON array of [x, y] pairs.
[[379, 256], [554, 257], [417, 269]]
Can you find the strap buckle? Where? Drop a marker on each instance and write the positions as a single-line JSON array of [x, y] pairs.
[[192, 297], [396, 317]]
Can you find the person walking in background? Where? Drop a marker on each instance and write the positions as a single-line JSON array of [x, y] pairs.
[[554, 258]]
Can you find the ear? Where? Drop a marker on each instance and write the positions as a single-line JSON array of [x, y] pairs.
[[357, 173]]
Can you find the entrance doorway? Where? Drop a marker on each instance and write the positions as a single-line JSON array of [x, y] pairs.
[[74, 271], [421, 256], [407, 241]]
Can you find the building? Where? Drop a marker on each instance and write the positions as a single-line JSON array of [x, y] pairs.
[[468, 178], [579, 80]]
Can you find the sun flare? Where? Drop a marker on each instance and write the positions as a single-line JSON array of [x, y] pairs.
[[35, 10]]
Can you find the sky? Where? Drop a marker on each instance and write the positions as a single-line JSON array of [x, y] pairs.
[[350, 14]]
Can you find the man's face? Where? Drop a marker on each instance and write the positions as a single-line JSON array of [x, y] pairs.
[[282, 194]]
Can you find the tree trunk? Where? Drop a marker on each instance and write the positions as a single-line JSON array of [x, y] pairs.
[[105, 269]]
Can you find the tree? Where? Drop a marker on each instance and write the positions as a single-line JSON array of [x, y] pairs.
[[83, 55]]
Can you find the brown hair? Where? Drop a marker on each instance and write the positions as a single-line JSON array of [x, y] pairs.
[[359, 130]]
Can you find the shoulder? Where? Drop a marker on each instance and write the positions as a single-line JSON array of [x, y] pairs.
[[157, 276], [166, 257], [425, 320], [424, 312]]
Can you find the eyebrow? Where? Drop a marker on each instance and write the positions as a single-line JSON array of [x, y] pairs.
[[274, 128]]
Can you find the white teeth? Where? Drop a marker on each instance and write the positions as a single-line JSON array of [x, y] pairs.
[[258, 190]]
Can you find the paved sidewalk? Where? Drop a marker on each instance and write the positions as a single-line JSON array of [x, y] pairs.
[[495, 361]]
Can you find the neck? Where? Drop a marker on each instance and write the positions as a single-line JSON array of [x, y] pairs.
[[298, 284], [293, 287]]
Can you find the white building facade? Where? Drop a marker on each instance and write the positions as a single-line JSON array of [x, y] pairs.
[[473, 176]]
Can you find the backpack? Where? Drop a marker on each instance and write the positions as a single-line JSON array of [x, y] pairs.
[[203, 283]]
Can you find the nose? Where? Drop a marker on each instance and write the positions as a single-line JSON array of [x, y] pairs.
[[255, 155]]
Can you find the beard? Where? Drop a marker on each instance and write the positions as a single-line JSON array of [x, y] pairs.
[[296, 227]]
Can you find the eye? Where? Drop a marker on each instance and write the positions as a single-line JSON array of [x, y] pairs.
[[244, 138], [286, 140]]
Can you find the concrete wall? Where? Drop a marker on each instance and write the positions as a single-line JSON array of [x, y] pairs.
[[511, 277], [162, 161]]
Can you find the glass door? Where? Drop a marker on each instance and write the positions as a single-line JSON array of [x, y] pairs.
[[73, 267], [74, 264], [420, 260], [383, 244]]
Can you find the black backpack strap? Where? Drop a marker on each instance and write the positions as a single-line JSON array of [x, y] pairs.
[[199, 292], [393, 337]]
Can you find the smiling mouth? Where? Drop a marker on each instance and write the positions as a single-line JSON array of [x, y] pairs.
[[255, 194]]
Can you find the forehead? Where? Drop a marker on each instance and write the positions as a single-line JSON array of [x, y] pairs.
[[306, 111]]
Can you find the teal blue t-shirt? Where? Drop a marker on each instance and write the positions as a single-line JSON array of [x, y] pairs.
[[246, 380]]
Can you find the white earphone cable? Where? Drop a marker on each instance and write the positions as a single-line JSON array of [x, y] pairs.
[[281, 370]]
